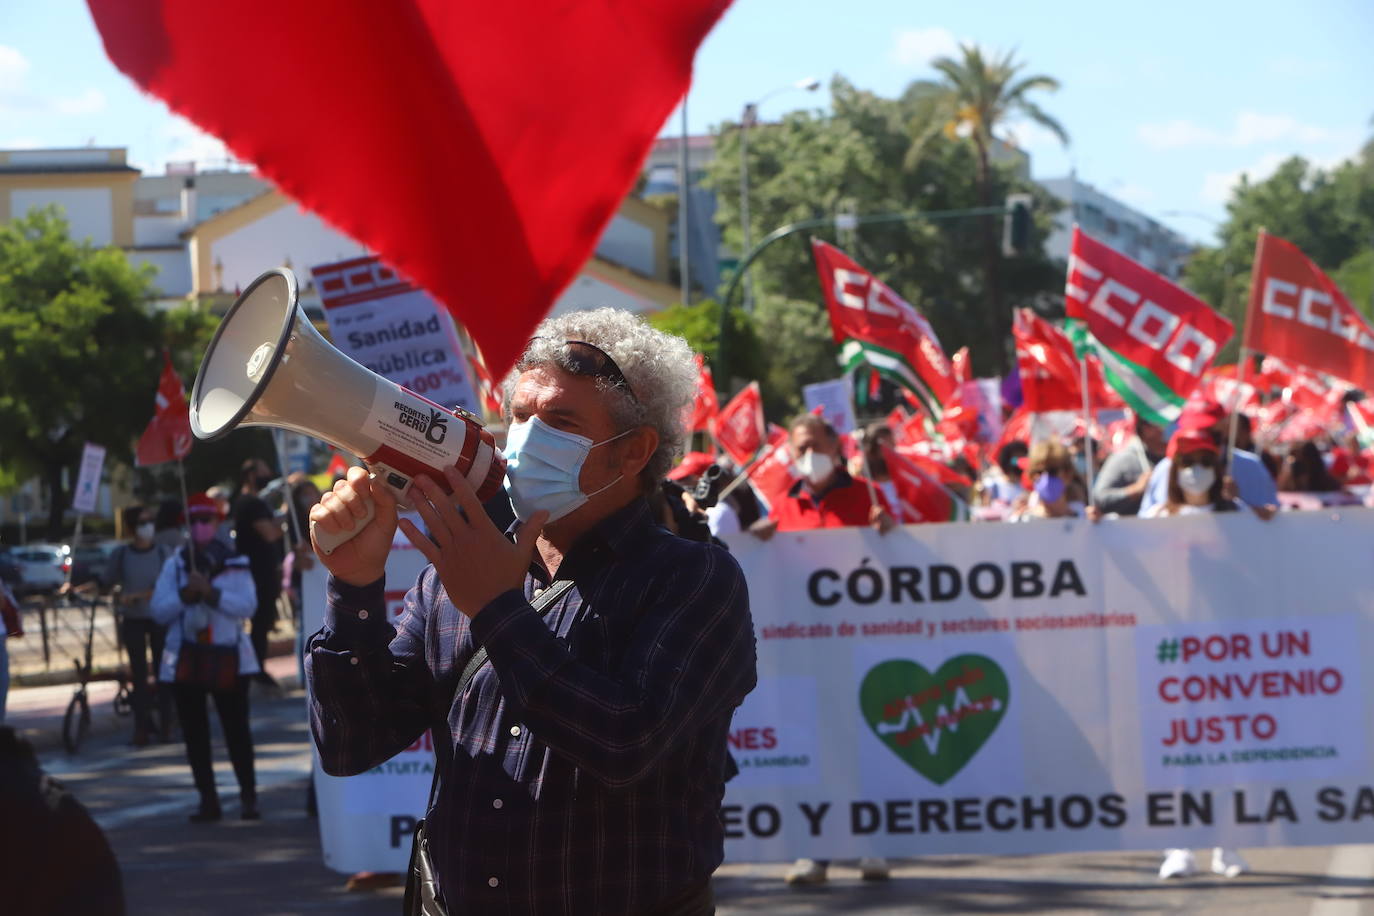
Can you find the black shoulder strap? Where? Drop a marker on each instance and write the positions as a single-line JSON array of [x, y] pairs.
[[479, 658]]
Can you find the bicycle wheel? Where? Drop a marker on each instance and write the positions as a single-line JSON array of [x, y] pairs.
[[76, 723]]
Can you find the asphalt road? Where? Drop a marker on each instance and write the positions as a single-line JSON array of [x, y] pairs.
[[141, 797]]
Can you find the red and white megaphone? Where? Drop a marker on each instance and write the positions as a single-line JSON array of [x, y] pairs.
[[268, 366]]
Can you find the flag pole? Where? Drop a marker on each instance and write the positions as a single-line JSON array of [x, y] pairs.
[[1087, 423], [186, 514], [743, 474], [1245, 356], [863, 447], [290, 495]]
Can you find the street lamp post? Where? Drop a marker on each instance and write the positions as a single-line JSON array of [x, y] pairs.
[[747, 120]]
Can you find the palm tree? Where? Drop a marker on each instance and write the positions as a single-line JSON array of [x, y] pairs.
[[976, 96]]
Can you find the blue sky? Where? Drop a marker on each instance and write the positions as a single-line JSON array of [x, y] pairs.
[[1166, 102]]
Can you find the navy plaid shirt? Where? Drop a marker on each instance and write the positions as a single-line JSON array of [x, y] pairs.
[[588, 756]]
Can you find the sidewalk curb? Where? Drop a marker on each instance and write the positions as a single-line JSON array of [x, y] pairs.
[[281, 645]]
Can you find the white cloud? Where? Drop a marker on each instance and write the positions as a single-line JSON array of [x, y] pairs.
[[1133, 193], [1029, 136], [88, 102], [918, 47], [1216, 186], [13, 68], [1250, 129], [17, 99], [186, 142], [1177, 135]]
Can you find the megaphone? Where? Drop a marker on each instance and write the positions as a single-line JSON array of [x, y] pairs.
[[268, 366]]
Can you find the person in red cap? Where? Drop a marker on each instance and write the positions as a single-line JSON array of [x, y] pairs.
[[1196, 486], [1254, 484], [204, 595], [1196, 482]]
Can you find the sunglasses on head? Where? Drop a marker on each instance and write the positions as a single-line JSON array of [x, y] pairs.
[[582, 358]]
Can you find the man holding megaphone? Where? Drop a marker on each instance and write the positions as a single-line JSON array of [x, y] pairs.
[[579, 672]]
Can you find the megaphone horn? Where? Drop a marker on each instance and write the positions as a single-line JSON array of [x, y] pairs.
[[268, 366]]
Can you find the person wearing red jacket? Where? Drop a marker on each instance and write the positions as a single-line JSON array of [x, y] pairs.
[[826, 496]]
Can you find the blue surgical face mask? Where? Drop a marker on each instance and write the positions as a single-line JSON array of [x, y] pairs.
[[544, 468], [1050, 487]]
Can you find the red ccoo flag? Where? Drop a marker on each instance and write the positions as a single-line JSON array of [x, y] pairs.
[[739, 427], [705, 404], [168, 436], [1298, 314], [875, 326], [480, 148], [1155, 339]]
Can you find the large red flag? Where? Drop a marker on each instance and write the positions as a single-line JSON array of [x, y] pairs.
[[875, 326], [772, 476], [920, 496], [705, 403], [480, 148], [168, 436], [1051, 376], [1297, 313], [1155, 339], [739, 428]]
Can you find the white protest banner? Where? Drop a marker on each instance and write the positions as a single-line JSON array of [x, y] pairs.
[[88, 481], [366, 820], [395, 329], [833, 399], [1057, 686]]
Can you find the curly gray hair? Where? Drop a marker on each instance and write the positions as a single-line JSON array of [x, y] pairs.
[[659, 368]]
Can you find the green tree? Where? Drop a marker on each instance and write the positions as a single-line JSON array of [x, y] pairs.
[[80, 352], [975, 97], [1328, 213], [857, 159]]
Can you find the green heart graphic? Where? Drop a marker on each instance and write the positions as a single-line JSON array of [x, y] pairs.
[[935, 722]]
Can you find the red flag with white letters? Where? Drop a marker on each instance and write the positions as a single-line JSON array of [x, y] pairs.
[[876, 327], [479, 148], [738, 428], [1297, 313], [1155, 339], [168, 435]]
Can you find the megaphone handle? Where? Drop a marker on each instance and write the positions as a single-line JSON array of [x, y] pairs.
[[330, 541]]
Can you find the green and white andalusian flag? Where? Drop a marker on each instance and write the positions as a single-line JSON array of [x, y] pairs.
[[1155, 339], [877, 328]]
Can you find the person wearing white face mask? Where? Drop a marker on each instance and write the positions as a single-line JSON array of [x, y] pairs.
[[825, 494], [132, 570], [1196, 481], [579, 671]]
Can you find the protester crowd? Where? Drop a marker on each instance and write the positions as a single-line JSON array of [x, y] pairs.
[[1272, 452]]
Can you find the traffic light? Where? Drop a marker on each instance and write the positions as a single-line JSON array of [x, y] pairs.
[[1016, 225]]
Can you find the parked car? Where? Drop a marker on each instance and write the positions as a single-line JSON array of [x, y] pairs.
[[42, 567], [88, 561]]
